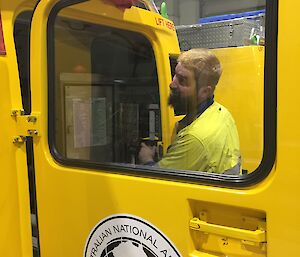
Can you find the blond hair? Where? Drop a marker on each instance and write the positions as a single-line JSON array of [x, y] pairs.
[[204, 64]]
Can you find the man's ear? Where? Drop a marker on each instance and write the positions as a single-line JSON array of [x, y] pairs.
[[207, 91], [204, 93], [210, 90]]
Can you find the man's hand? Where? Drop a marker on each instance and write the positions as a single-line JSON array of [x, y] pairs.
[[146, 153]]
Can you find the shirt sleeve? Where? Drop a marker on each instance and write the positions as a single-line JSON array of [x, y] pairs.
[[186, 153]]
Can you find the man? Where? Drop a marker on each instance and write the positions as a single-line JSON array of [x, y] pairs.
[[207, 138]]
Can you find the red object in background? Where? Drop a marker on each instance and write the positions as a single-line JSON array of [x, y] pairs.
[[124, 3], [2, 45]]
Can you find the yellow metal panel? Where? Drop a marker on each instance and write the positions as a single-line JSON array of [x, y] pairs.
[[83, 197], [9, 200], [71, 201], [15, 234]]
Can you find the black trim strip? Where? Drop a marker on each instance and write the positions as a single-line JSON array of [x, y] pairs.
[[32, 190], [270, 96], [23, 55], [270, 117], [31, 169]]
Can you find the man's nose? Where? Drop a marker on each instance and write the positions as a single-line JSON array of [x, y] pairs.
[[173, 83]]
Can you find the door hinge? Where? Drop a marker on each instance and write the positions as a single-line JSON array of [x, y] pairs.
[[26, 125]]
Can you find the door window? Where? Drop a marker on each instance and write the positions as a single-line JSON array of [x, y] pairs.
[[105, 97]]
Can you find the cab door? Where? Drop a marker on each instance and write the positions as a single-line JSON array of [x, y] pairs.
[[100, 78], [95, 97]]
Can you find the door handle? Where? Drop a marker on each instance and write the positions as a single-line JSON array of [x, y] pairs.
[[257, 236]]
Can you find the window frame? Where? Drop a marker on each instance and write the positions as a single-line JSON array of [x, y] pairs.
[[195, 177]]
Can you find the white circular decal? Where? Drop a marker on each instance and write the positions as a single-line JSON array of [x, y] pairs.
[[125, 235]]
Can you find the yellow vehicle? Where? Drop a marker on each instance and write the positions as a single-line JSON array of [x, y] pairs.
[[85, 81]]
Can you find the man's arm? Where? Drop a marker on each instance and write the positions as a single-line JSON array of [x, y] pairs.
[[186, 153]]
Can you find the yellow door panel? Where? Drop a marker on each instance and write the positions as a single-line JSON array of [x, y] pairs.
[[15, 230], [14, 197], [83, 207]]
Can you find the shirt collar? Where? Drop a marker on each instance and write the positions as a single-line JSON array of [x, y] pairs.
[[190, 117]]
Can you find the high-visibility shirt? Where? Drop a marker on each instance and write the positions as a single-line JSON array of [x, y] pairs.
[[210, 143]]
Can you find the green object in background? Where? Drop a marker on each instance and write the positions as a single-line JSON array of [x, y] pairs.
[[163, 10], [255, 39]]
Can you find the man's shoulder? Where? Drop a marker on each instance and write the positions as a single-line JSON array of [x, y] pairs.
[[218, 108], [215, 113], [214, 118]]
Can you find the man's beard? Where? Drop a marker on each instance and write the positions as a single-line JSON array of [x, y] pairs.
[[180, 104]]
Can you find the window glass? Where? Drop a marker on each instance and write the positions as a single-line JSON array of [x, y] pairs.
[[106, 92], [235, 31], [107, 99]]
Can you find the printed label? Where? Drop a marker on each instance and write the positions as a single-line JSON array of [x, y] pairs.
[[125, 235]]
